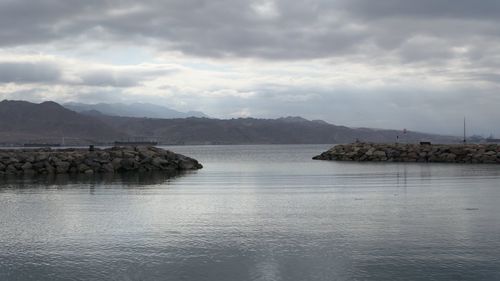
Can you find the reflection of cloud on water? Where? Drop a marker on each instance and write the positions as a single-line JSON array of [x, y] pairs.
[[266, 270]]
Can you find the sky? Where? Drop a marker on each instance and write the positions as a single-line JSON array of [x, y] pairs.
[[421, 65]]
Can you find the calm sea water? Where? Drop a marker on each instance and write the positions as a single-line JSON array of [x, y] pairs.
[[257, 213]]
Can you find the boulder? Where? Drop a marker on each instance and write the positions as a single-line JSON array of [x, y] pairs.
[[27, 166], [11, 169], [159, 162], [107, 168], [62, 167], [82, 168], [129, 164]]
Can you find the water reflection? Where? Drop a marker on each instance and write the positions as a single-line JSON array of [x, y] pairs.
[[127, 179], [256, 213]]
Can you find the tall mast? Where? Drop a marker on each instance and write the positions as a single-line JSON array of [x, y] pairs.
[[465, 138]]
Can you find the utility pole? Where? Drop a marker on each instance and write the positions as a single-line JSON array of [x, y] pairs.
[[465, 136]]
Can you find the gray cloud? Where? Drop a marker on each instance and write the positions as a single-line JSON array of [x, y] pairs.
[[20, 72], [235, 28], [106, 78], [119, 78], [424, 9], [455, 41], [424, 109], [26, 22], [34, 95], [24, 72]]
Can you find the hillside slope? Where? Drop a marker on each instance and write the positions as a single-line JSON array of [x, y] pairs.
[[49, 122], [132, 110], [290, 130], [22, 121]]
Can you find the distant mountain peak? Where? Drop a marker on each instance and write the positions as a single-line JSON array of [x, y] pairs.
[[320, 122], [293, 119], [22, 121], [51, 104], [92, 112], [137, 109], [299, 119]]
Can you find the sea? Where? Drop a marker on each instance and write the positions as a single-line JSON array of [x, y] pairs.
[[256, 212]]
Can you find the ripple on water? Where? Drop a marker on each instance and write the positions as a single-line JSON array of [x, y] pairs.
[[257, 213]]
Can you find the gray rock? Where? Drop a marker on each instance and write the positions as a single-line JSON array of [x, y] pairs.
[[159, 162], [27, 166], [46, 161], [62, 167], [108, 168], [129, 164], [82, 168], [459, 153], [41, 156], [49, 168], [11, 169], [117, 163]]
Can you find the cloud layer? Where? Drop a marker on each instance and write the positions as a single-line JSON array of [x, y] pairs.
[[386, 63]]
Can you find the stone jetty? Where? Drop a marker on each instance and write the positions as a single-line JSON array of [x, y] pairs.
[[90, 161], [441, 153]]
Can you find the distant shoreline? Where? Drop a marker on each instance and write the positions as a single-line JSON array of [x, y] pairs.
[[20, 146]]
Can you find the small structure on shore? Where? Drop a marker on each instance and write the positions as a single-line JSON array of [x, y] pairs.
[[138, 141], [444, 153], [34, 144], [492, 140], [90, 161], [135, 143]]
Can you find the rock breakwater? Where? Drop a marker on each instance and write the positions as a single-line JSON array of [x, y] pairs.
[[449, 153], [90, 161]]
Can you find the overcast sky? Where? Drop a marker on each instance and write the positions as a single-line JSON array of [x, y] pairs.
[[421, 65]]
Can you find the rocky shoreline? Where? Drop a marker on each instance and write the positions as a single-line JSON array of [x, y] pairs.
[[92, 161], [440, 153]]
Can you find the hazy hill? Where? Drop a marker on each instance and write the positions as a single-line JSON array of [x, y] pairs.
[[22, 121], [289, 130], [132, 110]]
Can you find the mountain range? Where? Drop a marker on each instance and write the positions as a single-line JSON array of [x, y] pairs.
[[49, 122], [131, 110], [25, 122]]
